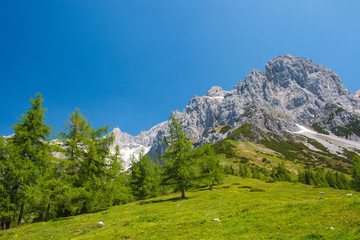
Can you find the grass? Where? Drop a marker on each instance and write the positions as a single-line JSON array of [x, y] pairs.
[[282, 211]]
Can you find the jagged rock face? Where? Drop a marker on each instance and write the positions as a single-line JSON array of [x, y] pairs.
[[292, 90], [357, 95]]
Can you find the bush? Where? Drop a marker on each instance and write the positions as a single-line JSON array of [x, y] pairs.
[[225, 129], [257, 190]]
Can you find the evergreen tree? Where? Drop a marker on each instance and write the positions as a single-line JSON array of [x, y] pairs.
[[31, 140], [145, 177], [355, 173], [281, 173], [255, 173], [87, 153], [211, 171], [180, 170], [243, 170], [11, 190], [118, 182]]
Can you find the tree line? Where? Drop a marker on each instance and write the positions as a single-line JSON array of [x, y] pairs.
[[76, 173]]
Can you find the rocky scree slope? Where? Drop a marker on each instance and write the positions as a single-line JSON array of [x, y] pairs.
[[292, 91]]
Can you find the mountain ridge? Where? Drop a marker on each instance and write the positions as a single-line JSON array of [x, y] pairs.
[[292, 91]]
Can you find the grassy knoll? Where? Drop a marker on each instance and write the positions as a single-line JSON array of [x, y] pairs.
[[283, 211]]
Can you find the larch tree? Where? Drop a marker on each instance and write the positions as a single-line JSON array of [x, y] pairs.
[[145, 177], [355, 173], [180, 171], [24, 160], [87, 152]]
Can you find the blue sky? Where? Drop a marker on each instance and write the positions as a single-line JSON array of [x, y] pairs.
[[129, 63]]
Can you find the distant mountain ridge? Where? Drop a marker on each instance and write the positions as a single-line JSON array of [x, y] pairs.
[[292, 91]]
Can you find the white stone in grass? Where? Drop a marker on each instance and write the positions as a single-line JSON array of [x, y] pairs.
[[216, 219], [350, 194], [101, 224]]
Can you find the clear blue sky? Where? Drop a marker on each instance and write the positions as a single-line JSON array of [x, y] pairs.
[[129, 63]]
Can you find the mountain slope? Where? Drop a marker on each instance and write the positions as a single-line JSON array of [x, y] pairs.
[[292, 91]]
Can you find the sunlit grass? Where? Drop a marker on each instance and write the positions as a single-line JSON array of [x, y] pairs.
[[283, 211]]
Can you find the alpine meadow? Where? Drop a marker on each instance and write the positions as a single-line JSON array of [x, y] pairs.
[[180, 119]]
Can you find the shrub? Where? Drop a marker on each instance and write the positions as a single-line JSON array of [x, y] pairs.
[[257, 190], [225, 129]]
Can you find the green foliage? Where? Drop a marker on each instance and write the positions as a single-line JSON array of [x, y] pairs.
[[224, 147], [355, 173], [25, 159], [321, 178], [345, 131], [317, 127], [243, 130], [145, 178], [87, 170], [317, 145], [280, 173], [290, 149], [225, 129], [342, 131], [180, 169], [244, 171], [211, 171]]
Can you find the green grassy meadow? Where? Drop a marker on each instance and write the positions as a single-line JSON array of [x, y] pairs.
[[283, 211]]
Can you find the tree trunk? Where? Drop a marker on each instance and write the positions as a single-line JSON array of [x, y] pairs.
[[21, 213], [182, 192], [7, 224], [47, 213], [2, 223], [84, 209]]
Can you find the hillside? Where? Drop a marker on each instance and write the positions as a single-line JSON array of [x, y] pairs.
[[282, 211]]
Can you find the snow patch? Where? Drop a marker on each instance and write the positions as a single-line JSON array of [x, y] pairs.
[[334, 143]]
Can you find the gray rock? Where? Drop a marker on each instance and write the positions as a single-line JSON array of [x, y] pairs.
[[357, 95]]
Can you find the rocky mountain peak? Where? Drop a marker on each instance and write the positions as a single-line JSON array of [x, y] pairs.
[[215, 91], [357, 95], [291, 91]]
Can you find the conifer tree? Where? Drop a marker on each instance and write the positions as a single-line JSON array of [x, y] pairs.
[[145, 177], [211, 171], [31, 140], [355, 173], [87, 153], [180, 171], [243, 170], [11, 191]]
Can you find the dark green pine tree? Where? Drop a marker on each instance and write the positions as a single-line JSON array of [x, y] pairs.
[[145, 177], [355, 173], [180, 170]]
